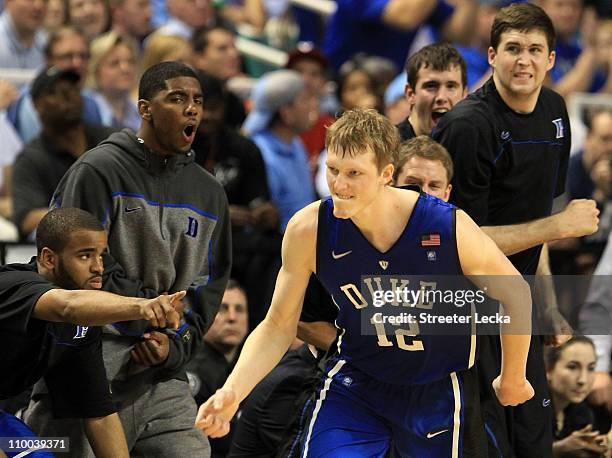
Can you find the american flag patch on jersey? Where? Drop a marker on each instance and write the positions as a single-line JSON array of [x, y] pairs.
[[430, 240]]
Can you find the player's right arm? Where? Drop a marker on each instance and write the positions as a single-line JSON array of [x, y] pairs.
[[97, 308], [270, 340], [487, 267]]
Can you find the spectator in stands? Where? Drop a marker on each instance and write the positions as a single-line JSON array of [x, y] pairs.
[[112, 75], [238, 165], [596, 322], [186, 16], [388, 27], [427, 164], [313, 67], [131, 19], [67, 48], [566, 16], [11, 145], [583, 179], [580, 66], [55, 16], [22, 38], [475, 52], [215, 53], [165, 48], [437, 81], [215, 358], [91, 17], [356, 88], [44, 160], [569, 370], [282, 109]]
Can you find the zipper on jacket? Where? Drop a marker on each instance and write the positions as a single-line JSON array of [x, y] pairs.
[[162, 201]]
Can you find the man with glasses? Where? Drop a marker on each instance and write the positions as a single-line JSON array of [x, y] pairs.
[[66, 49]]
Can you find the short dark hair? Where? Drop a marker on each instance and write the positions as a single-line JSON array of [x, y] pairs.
[[423, 146], [58, 35], [154, 78], [524, 17], [439, 57], [232, 283], [553, 354], [55, 228], [200, 36]]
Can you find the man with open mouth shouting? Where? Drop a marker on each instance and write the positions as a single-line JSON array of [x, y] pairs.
[[168, 225], [437, 81]]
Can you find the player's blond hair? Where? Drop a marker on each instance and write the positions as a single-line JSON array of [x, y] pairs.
[[361, 130]]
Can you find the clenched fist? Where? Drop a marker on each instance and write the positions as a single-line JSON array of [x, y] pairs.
[[512, 394], [580, 218]]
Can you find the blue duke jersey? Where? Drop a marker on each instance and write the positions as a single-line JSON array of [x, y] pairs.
[[421, 349]]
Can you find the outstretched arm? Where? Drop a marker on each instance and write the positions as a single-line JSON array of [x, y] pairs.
[[487, 267], [270, 340], [97, 308]]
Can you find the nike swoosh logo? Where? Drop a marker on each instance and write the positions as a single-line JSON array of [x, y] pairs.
[[430, 435], [130, 210], [341, 255]]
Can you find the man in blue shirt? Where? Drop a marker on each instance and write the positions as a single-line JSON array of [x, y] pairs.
[[21, 35], [282, 109]]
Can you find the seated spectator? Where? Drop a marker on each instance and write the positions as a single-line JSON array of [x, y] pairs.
[[215, 359], [313, 67], [91, 17], [387, 28], [475, 52], [55, 16], [282, 109], [11, 145], [67, 48], [356, 88], [569, 370], [186, 16], [164, 48], [595, 321], [566, 16], [131, 19], [583, 179], [22, 37], [112, 76], [237, 163], [43, 161], [215, 53], [579, 66]]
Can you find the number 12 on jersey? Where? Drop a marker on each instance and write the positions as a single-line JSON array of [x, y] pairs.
[[400, 336]]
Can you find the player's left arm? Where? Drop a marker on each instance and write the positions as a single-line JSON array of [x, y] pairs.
[[106, 437], [487, 267]]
